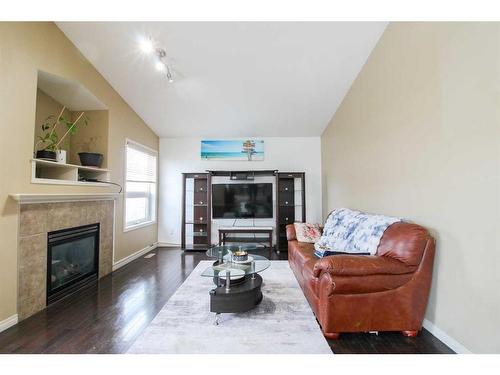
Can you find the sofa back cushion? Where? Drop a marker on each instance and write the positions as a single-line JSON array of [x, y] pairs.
[[404, 242]]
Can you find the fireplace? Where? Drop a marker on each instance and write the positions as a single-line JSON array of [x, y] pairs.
[[72, 260]]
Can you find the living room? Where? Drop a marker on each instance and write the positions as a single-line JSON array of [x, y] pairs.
[[249, 187]]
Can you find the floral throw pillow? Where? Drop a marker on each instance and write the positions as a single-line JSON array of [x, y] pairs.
[[310, 233]]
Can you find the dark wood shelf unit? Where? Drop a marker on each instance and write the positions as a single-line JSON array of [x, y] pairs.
[[287, 204], [196, 229]]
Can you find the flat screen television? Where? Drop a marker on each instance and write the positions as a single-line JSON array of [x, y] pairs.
[[242, 201]]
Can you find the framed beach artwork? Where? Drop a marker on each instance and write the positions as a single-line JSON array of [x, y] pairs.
[[249, 150]]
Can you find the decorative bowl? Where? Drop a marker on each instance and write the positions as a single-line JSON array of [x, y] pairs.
[[240, 256]]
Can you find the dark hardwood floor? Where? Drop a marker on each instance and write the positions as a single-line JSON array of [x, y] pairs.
[[108, 317]]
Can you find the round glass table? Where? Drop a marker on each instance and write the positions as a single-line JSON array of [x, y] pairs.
[[238, 285], [225, 263]]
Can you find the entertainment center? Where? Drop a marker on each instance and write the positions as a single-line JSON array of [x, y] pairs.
[[249, 202]]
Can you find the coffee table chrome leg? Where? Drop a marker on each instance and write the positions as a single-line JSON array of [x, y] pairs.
[[228, 280], [217, 321]]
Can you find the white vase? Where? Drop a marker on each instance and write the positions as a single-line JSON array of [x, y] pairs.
[[61, 156]]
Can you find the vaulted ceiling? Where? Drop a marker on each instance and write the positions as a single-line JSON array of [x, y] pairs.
[[232, 79]]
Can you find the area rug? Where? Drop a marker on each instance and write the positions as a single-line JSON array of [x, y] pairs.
[[283, 323]]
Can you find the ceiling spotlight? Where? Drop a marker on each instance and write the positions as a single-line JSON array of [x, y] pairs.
[[160, 66], [169, 76], [147, 46]]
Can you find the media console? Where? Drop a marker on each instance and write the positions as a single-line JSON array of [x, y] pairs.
[[288, 206]]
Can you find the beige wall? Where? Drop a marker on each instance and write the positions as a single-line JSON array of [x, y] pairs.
[[47, 106], [25, 48], [94, 136], [418, 136]]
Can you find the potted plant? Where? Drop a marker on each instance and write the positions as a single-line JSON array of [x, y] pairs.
[[88, 158], [50, 141]]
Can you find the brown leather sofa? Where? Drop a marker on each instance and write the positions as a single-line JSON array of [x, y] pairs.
[[363, 293]]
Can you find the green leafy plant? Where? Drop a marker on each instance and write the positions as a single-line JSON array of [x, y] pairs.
[[49, 140]]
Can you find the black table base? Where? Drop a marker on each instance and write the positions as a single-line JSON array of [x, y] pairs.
[[242, 295]]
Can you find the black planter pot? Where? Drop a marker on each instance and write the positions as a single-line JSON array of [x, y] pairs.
[[45, 154], [91, 159]]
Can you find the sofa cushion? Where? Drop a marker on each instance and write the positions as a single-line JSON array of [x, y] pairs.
[[361, 265], [368, 283], [306, 232]]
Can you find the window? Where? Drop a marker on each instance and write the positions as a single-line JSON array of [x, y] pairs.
[[140, 185]]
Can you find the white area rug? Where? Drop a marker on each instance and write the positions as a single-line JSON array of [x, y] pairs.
[[282, 323]]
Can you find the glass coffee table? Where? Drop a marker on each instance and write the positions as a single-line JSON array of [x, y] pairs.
[[237, 283]]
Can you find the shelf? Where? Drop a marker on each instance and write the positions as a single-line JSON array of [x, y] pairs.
[[65, 165], [199, 205], [197, 222], [199, 234], [51, 198], [51, 172], [51, 181]]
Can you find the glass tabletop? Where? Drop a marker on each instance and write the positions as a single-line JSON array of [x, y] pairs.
[[220, 251], [237, 269], [254, 264]]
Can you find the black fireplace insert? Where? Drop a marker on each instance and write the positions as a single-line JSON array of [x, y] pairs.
[[72, 260]]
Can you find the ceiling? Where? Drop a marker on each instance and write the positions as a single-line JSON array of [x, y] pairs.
[[73, 95], [232, 79]]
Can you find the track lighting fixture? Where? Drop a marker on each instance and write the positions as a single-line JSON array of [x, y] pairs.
[[148, 46]]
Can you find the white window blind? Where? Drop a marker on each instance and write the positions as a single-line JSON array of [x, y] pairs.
[[140, 185]]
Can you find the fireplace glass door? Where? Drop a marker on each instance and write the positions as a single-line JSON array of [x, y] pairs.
[[73, 258]]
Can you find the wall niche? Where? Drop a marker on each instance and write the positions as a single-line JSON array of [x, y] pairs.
[[54, 93]]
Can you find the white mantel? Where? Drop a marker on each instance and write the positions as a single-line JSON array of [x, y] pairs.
[[51, 198]]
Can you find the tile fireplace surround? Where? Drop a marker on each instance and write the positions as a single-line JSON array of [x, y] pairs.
[[36, 220]]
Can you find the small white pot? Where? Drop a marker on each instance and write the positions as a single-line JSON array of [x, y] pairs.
[[61, 156]]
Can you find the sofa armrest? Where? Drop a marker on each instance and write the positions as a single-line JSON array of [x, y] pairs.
[[359, 265], [290, 232]]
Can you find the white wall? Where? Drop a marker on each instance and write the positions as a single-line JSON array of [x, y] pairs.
[[287, 154]]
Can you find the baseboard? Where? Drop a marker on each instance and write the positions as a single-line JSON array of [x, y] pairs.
[[168, 244], [9, 322], [447, 340], [133, 256]]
